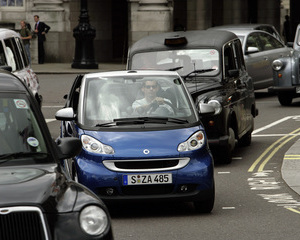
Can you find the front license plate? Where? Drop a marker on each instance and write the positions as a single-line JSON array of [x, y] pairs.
[[141, 179]]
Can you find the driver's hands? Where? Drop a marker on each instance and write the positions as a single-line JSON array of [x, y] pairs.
[[159, 100]]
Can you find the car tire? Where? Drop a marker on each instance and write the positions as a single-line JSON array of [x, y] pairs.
[[223, 154], [246, 139], [285, 99], [207, 205]]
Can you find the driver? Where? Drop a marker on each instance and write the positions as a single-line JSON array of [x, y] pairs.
[[151, 103]]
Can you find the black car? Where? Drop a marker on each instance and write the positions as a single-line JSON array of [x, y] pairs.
[[212, 65], [38, 201]]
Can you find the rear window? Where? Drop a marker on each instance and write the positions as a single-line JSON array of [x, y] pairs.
[[184, 61]]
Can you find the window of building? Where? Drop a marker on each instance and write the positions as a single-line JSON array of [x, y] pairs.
[[12, 3]]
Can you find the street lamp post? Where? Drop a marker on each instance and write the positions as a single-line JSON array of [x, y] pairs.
[[84, 35]]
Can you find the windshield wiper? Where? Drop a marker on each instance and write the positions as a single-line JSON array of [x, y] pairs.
[[174, 69], [141, 120], [19, 155], [199, 71]]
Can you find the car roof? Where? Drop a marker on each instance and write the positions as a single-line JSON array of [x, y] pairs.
[[9, 83], [243, 26], [132, 73], [195, 39], [5, 33], [244, 32]]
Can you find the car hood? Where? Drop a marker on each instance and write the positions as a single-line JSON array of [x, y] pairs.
[[32, 185], [158, 143]]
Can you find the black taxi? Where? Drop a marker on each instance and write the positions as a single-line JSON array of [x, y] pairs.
[[212, 65], [38, 199]]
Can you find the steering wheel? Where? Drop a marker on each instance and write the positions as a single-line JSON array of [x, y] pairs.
[[155, 105]]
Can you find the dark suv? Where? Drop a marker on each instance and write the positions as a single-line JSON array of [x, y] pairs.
[[212, 65]]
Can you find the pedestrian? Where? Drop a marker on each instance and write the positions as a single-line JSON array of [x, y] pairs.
[[40, 29], [287, 30], [26, 36]]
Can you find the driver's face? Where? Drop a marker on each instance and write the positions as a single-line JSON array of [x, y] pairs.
[[150, 89]]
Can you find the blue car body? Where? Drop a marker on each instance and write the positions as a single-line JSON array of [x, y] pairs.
[[146, 163]]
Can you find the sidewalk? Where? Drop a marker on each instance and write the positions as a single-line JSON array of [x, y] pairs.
[[291, 162], [65, 68]]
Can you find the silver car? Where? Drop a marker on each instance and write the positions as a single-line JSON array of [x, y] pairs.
[[287, 75], [260, 49]]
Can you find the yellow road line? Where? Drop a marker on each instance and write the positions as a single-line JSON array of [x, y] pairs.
[[258, 160], [292, 157], [294, 210], [261, 167]]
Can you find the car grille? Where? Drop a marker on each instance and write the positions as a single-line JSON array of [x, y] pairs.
[[22, 223], [144, 165]]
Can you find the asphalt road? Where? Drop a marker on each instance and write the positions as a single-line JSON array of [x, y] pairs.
[[252, 199]]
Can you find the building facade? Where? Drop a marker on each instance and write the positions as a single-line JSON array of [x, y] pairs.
[[119, 23]]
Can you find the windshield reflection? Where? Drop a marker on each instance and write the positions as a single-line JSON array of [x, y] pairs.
[[112, 98]]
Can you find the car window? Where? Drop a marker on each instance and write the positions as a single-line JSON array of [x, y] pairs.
[[239, 55], [229, 58], [13, 56], [254, 41], [23, 51], [269, 42], [109, 98], [3, 60], [19, 129], [186, 60]]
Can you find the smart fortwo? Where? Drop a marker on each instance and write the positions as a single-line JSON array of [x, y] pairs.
[[142, 138]]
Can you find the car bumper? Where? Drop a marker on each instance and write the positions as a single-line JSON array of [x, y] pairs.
[[291, 89], [193, 182]]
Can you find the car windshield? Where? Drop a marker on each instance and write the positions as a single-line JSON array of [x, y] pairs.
[[20, 135], [184, 61], [136, 100]]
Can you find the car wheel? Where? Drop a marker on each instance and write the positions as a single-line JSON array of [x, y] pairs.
[[246, 139], [285, 99], [207, 205], [223, 155]]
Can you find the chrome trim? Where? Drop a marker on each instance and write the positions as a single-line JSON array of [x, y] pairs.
[[110, 164], [8, 210]]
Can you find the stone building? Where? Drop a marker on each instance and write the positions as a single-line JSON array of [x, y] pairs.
[[119, 23]]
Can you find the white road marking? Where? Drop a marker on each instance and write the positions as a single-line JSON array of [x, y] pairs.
[[272, 124]]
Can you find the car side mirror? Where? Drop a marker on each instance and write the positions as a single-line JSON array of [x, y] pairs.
[[234, 73], [252, 50], [206, 109], [69, 147], [65, 114]]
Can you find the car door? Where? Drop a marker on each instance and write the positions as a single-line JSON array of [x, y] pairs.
[[256, 61], [235, 85], [272, 49], [68, 127]]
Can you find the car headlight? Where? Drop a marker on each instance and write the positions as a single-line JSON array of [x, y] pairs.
[[196, 141], [92, 145], [93, 220], [216, 105], [277, 65]]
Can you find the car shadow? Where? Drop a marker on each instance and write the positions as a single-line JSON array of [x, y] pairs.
[[151, 209]]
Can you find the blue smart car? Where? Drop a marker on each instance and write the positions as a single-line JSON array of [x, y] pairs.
[[142, 138]]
